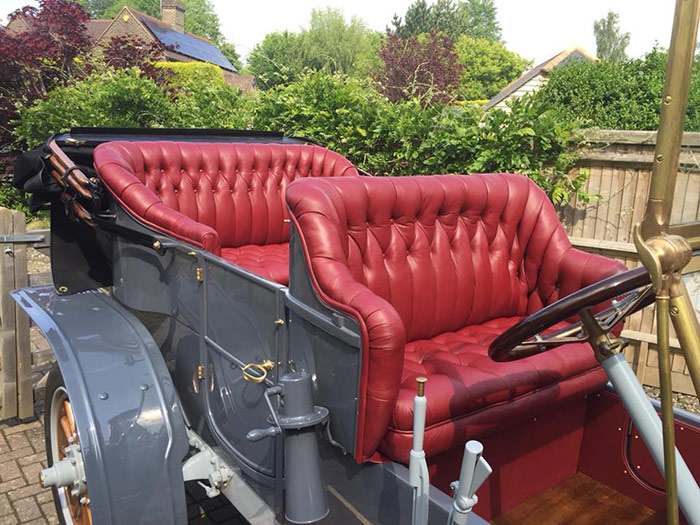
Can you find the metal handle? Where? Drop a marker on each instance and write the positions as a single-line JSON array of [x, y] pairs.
[[260, 371], [262, 433]]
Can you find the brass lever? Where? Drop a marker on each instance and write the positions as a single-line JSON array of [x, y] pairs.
[[260, 371]]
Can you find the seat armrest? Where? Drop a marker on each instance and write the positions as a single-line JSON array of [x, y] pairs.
[[182, 227], [144, 204], [579, 269]]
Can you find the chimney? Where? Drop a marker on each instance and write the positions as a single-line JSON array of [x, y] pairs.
[[173, 14]]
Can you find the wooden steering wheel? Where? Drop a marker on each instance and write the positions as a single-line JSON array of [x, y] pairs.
[[629, 291]]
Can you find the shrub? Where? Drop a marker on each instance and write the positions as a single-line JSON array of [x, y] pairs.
[[405, 138], [345, 114], [340, 112], [531, 139], [184, 73], [120, 98], [487, 67], [624, 95]]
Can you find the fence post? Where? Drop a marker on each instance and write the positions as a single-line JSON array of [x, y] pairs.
[[17, 398], [8, 354], [25, 393]]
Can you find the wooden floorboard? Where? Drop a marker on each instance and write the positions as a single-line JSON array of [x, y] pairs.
[[580, 499]]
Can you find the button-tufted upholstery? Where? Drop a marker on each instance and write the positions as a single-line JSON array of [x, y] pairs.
[[434, 268], [222, 197]]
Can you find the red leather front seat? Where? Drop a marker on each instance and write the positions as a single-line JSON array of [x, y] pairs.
[[222, 197], [434, 268]]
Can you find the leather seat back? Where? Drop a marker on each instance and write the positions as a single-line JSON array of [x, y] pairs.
[[235, 189], [445, 251]]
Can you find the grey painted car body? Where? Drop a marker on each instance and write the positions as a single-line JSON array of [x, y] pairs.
[[128, 416], [184, 322]]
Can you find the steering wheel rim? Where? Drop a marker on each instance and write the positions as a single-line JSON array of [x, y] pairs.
[[516, 338]]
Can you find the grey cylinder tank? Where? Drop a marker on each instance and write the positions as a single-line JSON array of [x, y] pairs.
[[305, 495]]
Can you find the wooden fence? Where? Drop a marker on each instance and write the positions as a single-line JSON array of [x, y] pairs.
[[620, 171], [16, 362]]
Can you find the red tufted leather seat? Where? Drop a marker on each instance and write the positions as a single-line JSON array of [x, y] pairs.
[[222, 197], [434, 268]]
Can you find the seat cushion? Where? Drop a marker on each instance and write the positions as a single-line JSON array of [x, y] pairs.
[[464, 381], [270, 261]]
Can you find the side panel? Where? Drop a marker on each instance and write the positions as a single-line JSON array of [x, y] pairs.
[[240, 329], [127, 412], [326, 343]]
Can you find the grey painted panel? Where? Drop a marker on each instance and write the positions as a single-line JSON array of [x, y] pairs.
[[127, 412], [240, 317]]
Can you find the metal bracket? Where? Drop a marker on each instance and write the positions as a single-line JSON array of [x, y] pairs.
[[206, 465], [22, 239]]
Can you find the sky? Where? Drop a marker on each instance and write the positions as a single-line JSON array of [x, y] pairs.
[[536, 29]]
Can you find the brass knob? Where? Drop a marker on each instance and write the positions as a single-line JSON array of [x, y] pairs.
[[260, 371], [421, 385]]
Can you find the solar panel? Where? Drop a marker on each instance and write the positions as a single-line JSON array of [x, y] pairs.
[[188, 45]]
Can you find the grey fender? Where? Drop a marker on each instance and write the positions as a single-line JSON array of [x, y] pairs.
[[128, 416]]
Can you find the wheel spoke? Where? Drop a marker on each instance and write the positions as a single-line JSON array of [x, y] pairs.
[[64, 427], [69, 414]]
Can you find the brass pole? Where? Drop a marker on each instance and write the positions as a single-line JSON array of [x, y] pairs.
[[664, 255], [662, 326], [685, 321], [673, 108]]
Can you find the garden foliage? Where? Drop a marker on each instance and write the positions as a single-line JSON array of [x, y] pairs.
[[423, 67], [624, 95], [472, 18], [487, 67], [330, 44], [345, 114]]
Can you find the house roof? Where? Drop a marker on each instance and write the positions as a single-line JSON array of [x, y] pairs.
[[96, 27], [572, 54], [184, 43]]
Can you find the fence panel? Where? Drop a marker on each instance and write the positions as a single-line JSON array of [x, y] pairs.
[[619, 163]]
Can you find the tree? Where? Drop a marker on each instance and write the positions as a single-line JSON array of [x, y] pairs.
[[112, 8], [277, 60], [424, 67], [96, 8], [125, 52], [481, 19], [330, 44], [474, 18], [610, 42], [202, 20], [37, 60], [487, 67], [333, 45]]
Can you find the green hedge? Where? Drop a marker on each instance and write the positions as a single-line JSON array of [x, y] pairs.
[[623, 95], [345, 114]]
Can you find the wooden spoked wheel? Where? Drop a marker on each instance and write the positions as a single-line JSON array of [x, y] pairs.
[[72, 504]]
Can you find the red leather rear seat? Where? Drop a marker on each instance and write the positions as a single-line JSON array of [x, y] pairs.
[[434, 268], [222, 197]]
